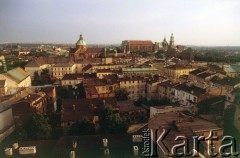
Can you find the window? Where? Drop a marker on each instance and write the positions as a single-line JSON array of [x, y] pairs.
[[215, 133], [195, 99]]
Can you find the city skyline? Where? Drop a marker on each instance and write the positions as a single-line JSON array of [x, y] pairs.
[[204, 23]]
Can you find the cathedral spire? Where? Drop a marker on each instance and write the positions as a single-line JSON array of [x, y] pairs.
[[164, 38]]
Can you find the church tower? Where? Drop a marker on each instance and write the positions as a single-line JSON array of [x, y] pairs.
[[171, 43], [165, 43]]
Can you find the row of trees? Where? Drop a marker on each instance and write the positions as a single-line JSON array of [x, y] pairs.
[[43, 78], [40, 126], [152, 102], [110, 122]]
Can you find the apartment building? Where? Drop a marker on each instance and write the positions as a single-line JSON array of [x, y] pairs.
[[60, 69], [135, 85], [188, 94], [173, 72]]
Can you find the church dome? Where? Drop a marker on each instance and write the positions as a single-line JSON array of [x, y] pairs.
[[81, 42]]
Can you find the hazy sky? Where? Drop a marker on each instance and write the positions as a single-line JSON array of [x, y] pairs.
[[193, 22]]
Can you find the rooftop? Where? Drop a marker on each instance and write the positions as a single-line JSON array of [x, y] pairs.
[[36, 62], [198, 71], [228, 81], [72, 76], [191, 89], [17, 74], [66, 64], [179, 66], [205, 75]]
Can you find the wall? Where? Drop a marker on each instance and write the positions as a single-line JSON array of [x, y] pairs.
[[6, 123]]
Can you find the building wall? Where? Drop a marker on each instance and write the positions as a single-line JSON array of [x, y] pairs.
[[184, 97], [79, 67], [136, 88], [236, 121], [70, 82], [26, 82], [106, 66], [12, 85], [176, 73], [7, 125], [59, 72], [101, 75], [152, 90], [165, 91], [141, 46], [107, 60]]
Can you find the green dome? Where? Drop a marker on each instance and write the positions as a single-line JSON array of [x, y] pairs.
[[81, 42]]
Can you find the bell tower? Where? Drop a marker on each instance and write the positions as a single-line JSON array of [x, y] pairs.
[[171, 43]]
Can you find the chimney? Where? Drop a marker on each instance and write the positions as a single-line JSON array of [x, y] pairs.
[[15, 146], [135, 150], [72, 154], [136, 138], [106, 151], [105, 142], [74, 107], [74, 144]]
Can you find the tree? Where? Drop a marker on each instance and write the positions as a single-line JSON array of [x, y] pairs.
[[38, 127], [36, 79], [111, 122], [45, 77], [160, 54], [82, 127], [171, 52], [121, 94]]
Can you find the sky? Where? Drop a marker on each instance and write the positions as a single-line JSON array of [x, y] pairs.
[[193, 22]]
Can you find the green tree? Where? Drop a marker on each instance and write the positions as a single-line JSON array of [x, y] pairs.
[[38, 127], [45, 77], [160, 54], [82, 127], [121, 94], [111, 122], [36, 79]]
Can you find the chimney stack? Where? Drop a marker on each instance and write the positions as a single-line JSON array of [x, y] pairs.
[[74, 143], [135, 150], [105, 142], [72, 154]]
